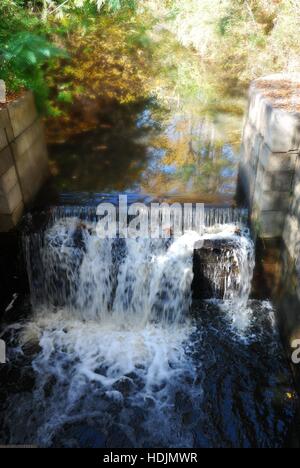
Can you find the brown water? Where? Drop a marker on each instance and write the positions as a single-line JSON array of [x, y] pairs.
[[165, 128], [149, 119]]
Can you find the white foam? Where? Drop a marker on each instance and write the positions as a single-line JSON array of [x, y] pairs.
[[112, 325]]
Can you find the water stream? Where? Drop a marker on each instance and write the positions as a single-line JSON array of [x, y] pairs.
[[115, 353], [115, 346]]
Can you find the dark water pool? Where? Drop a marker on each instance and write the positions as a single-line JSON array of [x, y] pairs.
[[227, 387]]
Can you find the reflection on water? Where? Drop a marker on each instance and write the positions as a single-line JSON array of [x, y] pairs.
[[175, 138], [276, 277]]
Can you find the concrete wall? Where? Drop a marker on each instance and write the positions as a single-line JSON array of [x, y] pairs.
[[269, 171], [291, 232], [270, 179], [23, 158]]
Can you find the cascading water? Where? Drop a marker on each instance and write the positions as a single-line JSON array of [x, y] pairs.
[[114, 349], [132, 281]]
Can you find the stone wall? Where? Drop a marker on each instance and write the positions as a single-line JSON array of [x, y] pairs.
[[291, 233], [270, 156], [23, 158], [270, 179]]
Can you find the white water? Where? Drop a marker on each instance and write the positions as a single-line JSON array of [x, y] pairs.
[[128, 283], [111, 320]]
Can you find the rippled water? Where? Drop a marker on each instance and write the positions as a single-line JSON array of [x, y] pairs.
[[206, 384], [114, 353]]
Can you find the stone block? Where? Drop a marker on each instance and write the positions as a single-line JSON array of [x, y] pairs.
[[297, 167], [25, 141], [252, 141], [280, 129], [23, 158], [3, 139], [269, 224], [281, 181], [8, 180], [10, 201], [36, 155], [6, 124], [273, 201], [259, 111], [258, 183], [22, 113], [33, 170], [6, 160], [277, 161], [295, 206], [256, 150], [213, 264]]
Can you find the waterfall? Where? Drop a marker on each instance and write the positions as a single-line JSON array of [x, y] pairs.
[[112, 338], [110, 319], [110, 280], [134, 280]]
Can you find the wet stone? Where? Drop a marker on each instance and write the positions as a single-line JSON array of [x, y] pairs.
[[124, 386], [31, 349], [216, 260], [138, 381]]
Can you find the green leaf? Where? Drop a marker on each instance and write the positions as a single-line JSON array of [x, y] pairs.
[[30, 57]]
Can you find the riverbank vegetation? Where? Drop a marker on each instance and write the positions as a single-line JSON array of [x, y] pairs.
[[244, 39], [62, 49]]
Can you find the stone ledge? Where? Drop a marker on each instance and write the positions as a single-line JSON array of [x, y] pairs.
[[270, 163], [23, 158], [279, 124], [211, 275], [22, 113]]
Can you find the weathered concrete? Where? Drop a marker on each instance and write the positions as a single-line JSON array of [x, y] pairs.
[[270, 155], [23, 158], [270, 178], [291, 232]]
